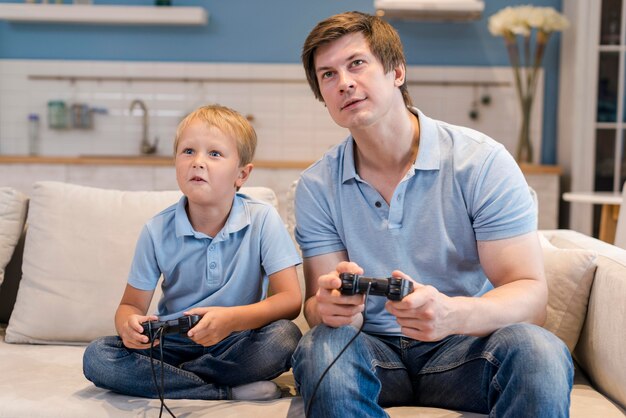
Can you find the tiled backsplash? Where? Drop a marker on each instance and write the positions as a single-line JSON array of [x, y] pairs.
[[291, 124]]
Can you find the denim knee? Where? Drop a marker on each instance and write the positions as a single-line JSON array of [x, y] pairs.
[[333, 340], [261, 354], [536, 350], [535, 362], [288, 335], [318, 349], [95, 359]]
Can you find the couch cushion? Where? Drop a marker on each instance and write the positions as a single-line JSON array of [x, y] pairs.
[[13, 206], [47, 381], [569, 273], [78, 251]]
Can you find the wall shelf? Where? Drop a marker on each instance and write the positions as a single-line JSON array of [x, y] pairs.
[[103, 14], [268, 79]]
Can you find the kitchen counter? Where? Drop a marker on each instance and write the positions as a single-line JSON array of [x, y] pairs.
[[159, 160], [131, 160], [131, 172], [540, 169]]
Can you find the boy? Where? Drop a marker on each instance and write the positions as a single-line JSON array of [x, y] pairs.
[[216, 250], [444, 205]]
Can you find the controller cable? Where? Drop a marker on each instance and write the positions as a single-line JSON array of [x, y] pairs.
[[308, 408], [160, 388]]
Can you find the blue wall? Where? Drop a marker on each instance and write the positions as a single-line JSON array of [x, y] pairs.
[[272, 31]]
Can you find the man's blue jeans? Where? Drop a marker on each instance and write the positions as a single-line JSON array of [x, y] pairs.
[[518, 371], [192, 371]]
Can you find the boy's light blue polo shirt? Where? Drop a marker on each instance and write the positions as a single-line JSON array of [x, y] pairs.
[[463, 187], [230, 269]]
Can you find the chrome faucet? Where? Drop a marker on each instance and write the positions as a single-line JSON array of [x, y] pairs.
[[146, 146]]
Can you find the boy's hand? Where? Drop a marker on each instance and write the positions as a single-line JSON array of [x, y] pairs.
[[131, 332], [424, 314], [217, 323], [334, 308]]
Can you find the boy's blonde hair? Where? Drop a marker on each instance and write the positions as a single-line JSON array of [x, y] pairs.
[[230, 122]]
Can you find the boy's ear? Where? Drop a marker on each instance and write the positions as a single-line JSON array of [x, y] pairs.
[[244, 174]]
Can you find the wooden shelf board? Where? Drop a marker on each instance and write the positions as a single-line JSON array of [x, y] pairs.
[[103, 14], [133, 160]]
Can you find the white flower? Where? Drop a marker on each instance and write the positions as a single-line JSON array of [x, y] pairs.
[[502, 21], [554, 21], [520, 20]]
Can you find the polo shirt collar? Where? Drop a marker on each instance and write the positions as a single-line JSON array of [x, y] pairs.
[[238, 219], [428, 155], [349, 169]]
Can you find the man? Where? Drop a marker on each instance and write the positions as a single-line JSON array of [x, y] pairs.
[[444, 206]]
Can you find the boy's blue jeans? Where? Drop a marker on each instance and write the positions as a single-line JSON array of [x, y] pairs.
[[192, 371], [518, 371]]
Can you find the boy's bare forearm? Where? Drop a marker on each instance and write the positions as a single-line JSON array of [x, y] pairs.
[[122, 314], [284, 305]]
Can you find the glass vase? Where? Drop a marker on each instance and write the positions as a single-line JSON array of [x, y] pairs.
[[524, 152]]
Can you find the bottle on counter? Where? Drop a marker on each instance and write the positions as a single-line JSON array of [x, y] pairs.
[[33, 134], [57, 114]]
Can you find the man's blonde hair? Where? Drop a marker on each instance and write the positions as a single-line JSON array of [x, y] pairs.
[[230, 122]]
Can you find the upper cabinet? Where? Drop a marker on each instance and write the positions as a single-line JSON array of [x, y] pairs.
[[103, 14]]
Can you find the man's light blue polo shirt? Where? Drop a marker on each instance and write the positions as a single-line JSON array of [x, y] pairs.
[[230, 269], [463, 187]]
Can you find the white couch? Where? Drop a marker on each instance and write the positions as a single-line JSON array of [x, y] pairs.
[[75, 257]]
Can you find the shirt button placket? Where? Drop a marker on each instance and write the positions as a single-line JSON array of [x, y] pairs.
[[212, 272]]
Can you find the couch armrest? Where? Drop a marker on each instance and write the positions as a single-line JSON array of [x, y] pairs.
[[601, 349]]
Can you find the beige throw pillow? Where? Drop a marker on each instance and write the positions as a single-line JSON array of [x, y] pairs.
[[77, 255], [569, 273], [13, 205]]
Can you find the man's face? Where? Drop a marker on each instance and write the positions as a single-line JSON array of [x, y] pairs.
[[353, 83]]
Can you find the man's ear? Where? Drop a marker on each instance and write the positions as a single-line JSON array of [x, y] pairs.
[[399, 75], [244, 174]]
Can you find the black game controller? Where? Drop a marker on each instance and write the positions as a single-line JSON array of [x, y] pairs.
[[395, 288], [173, 326]]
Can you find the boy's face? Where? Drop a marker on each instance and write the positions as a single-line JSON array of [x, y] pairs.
[[207, 165], [353, 83]]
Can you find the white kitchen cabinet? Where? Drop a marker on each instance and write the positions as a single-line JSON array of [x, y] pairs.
[[124, 173], [21, 176], [112, 177], [545, 180]]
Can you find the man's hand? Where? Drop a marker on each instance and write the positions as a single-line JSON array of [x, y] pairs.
[[425, 314], [334, 308]]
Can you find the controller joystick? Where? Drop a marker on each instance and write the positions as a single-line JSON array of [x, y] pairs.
[[394, 288]]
